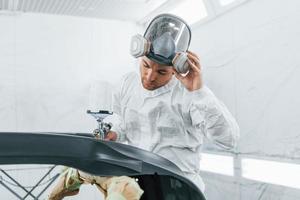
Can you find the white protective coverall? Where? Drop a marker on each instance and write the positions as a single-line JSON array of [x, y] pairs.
[[172, 121]]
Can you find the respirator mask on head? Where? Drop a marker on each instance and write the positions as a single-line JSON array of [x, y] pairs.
[[165, 41]]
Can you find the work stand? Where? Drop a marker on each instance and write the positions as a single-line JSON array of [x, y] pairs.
[[29, 193]]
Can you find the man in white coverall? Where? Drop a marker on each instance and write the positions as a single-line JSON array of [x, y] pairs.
[[167, 109]]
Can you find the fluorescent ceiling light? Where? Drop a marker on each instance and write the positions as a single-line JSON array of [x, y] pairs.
[[279, 173], [226, 2], [154, 4], [190, 10], [217, 164]]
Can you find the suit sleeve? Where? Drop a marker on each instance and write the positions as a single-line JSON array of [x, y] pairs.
[[211, 117]]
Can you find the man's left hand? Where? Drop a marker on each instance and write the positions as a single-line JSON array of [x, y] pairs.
[[193, 79]]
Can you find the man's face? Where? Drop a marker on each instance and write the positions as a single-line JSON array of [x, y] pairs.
[[154, 75]]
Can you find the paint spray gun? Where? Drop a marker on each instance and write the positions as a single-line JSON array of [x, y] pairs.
[[103, 128]]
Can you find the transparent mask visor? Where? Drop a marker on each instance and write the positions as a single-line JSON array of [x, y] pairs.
[[168, 35], [177, 28]]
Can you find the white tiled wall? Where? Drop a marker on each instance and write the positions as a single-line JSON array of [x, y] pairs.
[[49, 65], [251, 62]]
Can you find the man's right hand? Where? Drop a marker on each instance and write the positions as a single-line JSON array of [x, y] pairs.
[[111, 136]]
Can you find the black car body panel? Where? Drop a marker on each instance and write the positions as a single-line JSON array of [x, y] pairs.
[[158, 177]]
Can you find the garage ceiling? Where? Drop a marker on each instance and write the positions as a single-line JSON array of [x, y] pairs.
[[132, 10]]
